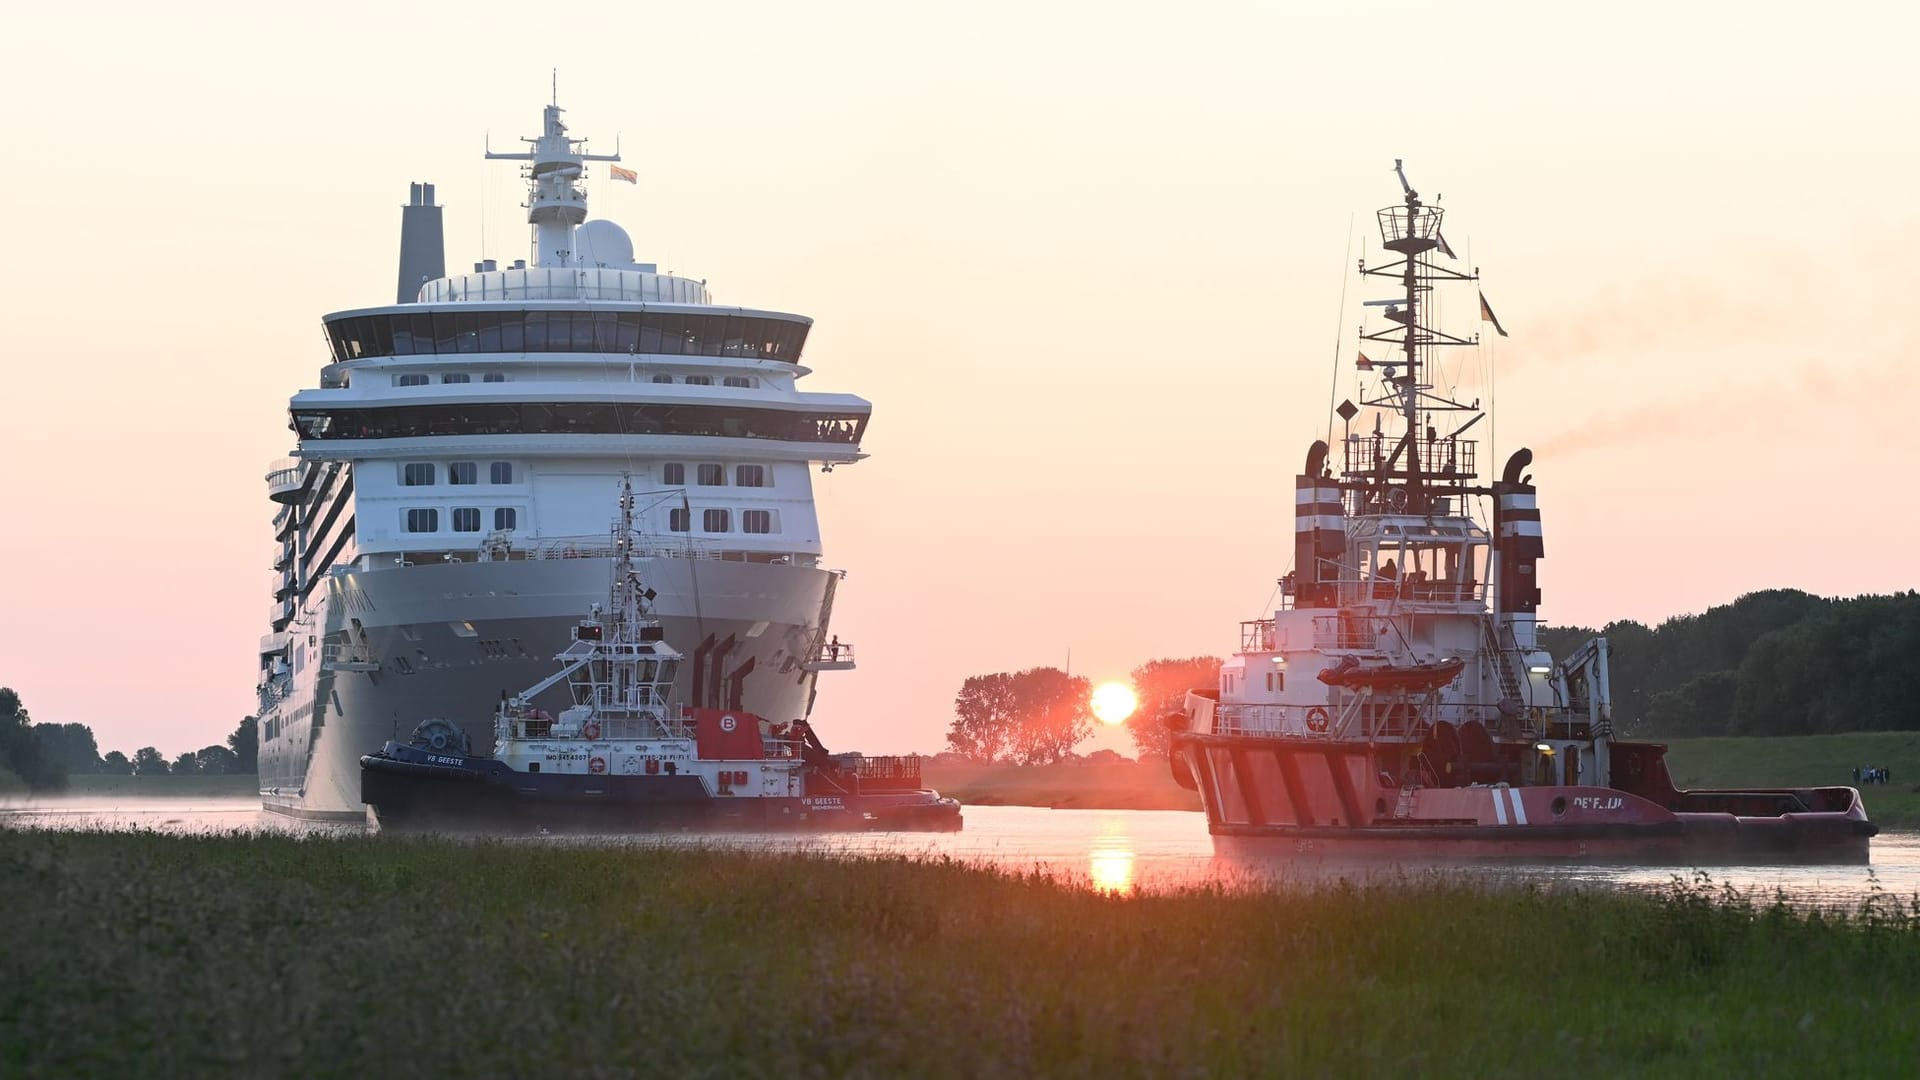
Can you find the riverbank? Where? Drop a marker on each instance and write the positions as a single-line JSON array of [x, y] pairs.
[[270, 955], [1121, 785]]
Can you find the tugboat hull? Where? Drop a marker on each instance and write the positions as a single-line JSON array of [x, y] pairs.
[[407, 788], [1275, 796]]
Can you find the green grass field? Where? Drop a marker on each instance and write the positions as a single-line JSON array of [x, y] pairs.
[[142, 954], [172, 787]]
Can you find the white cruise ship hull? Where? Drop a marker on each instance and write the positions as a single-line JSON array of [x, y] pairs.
[[448, 640]]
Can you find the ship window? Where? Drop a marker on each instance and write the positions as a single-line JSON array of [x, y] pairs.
[[699, 380], [677, 519], [716, 521], [463, 472], [410, 380], [737, 380], [750, 476], [713, 476], [505, 518], [663, 378], [756, 521], [673, 473], [502, 472], [456, 377], [466, 519], [423, 521], [417, 474], [493, 376]]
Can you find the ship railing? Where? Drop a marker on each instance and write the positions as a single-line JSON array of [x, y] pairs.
[[341, 656], [1258, 635], [621, 727], [1412, 589], [854, 773], [1439, 459]]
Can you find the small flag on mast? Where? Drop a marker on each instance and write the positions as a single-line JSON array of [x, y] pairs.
[[1487, 315], [1364, 364], [1445, 248], [618, 173]]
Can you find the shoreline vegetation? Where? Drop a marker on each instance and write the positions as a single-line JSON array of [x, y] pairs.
[[250, 955], [1721, 761]]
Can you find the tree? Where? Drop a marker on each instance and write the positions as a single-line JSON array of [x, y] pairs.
[[984, 712], [69, 746], [1053, 712], [245, 744], [20, 750], [186, 764], [216, 761], [148, 762], [1162, 687], [116, 764]]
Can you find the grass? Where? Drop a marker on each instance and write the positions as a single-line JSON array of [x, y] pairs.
[[1790, 760], [1126, 785], [144, 954]]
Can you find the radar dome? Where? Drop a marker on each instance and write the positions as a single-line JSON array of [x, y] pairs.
[[602, 243]]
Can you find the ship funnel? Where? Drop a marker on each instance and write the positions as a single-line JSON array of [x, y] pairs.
[[423, 247], [1319, 533]]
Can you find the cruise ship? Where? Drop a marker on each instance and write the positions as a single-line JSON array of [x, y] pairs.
[[448, 511]]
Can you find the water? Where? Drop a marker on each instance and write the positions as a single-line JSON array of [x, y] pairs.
[[1108, 850]]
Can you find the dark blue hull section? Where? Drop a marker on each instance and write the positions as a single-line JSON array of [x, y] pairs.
[[409, 788]]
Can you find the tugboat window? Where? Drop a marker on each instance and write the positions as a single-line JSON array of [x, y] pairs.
[[463, 472], [456, 377], [423, 521], [716, 521], [663, 378], [418, 474], [505, 518], [699, 380], [677, 519], [410, 380], [750, 475], [466, 519], [674, 474], [502, 472], [756, 521], [713, 476]]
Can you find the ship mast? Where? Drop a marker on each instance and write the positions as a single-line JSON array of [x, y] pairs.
[[1411, 230], [555, 204]]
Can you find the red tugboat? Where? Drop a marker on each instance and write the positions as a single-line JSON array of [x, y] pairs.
[[621, 757], [1399, 704]]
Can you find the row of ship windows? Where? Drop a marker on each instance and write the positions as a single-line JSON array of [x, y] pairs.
[[672, 474], [423, 473], [466, 519], [632, 332], [743, 382]]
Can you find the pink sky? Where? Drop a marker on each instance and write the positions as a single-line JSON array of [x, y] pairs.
[[1086, 260]]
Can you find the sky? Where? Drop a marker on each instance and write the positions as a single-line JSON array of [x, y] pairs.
[[1088, 261]]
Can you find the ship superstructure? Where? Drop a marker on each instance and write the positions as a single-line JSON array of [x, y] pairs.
[[442, 518], [1399, 701]]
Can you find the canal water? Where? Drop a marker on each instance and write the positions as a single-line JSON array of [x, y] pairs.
[[1108, 850]]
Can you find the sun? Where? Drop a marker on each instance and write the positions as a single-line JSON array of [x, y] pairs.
[[1113, 702]]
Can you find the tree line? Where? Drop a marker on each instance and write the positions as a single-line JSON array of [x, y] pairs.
[[1778, 662], [1037, 716], [43, 756]]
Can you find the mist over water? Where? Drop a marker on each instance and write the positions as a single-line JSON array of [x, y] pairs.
[[1106, 850]]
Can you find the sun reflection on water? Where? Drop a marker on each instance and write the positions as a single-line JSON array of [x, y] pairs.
[[1110, 864]]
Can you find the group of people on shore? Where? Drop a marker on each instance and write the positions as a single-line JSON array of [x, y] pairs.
[[1871, 774]]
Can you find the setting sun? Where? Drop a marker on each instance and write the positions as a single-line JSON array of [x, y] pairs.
[[1113, 702]]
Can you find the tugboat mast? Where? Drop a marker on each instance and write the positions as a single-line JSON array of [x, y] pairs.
[[1411, 230]]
